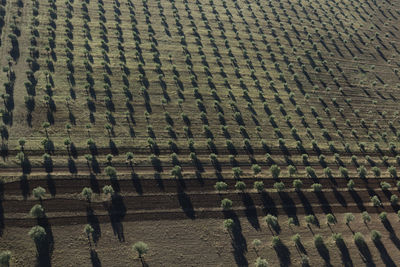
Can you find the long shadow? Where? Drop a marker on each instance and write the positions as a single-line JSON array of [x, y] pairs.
[[301, 247], [45, 250], [1, 217], [384, 254], [117, 213], [94, 222], [136, 183], [339, 197], [186, 204], [357, 200], [365, 253], [326, 207], [94, 258], [239, 243], [51, 185], [306, 204], [344, 253], [94, 184], [324, 253], [250, 211], [288, 205], [283, 254], [160, 183], [24, 186], [396, 241], [268, 203], [388, 226]]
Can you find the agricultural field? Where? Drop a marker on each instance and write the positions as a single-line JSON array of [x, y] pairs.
[[199, 133]]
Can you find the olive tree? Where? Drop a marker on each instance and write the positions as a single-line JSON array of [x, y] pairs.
[[38, 192], [365, 217], [260, 262], [5, 257], [221, 186], [37, 211], [226, 204], [87, 193], [141, 248], [88, 230], [38, 235]]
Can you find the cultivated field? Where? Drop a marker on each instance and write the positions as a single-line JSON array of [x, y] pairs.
[[217, 132]]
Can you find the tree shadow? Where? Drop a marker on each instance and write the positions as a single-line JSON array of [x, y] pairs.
[[326, 207], [45, 249], [94, 222], [51, 185], [384, 254], [268, 203], [94, 184], [357, 200], [238, 241], [24, 186], [344, 253], [94, 258], [136, 183], [117, 213], [388, 226], [283, 254], [250, 211], [324, 253], [365, 253], [339, 197], [186, 204], [288, 205], [1, 210], [160, 183], [306, 204], [301, 248]]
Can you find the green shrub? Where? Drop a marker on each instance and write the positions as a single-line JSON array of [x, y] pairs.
[[394, 199], [383, 216], [376, 236], [330, 219], [385, 186], [310, 219], [291, 170], [375, 201], [5, 257], [37, 211], [376, 171], [241, 186], [256, 169], [229, 224], [366, 217], [348, 218], [141, 248], [260, 262], [337, 237], [316, 187], [226, 204], [259, 186], [350, 185], [362, 172], [296, 239], [275, 171], [271, 220], [359, 239], [318, 240], [221, 186], [276, 242], [297, 184], [279, 186]]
